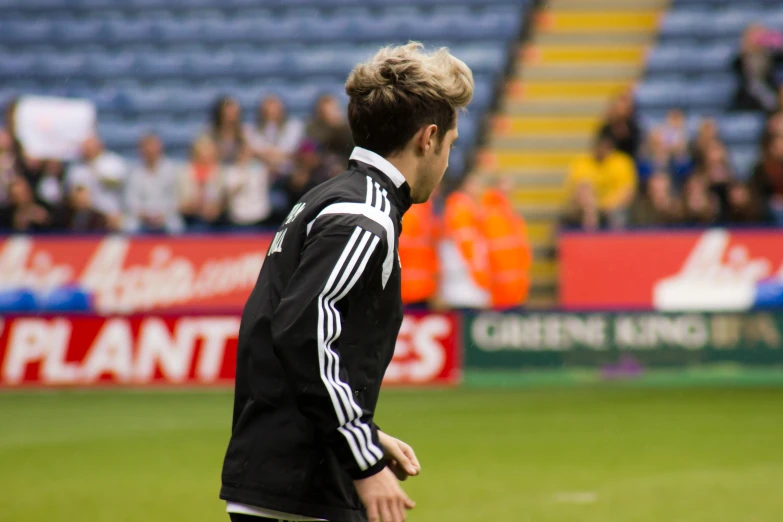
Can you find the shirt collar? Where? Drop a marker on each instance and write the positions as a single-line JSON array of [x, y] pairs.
[[380, 163]]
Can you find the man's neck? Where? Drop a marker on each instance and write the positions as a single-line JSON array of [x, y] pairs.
[[407, 167]]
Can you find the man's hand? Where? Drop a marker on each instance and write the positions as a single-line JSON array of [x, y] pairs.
[[383, 497], [400, 456]]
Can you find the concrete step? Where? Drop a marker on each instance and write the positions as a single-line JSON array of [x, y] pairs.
[[606, 5], [597, 23], [540, 231], [545, 299], [519, 90], [539, 211], [556, 107], [544, 271], [610, 54], [580, 71], [574, 142], [525, 126], [531, 177], [548, 287]]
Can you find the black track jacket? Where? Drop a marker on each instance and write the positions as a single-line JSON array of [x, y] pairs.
[[317, 334]]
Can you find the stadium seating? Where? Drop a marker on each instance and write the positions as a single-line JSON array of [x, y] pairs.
[[160, 64], [690, 68]]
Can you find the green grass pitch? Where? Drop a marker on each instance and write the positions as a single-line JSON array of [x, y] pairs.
[[601, 454]]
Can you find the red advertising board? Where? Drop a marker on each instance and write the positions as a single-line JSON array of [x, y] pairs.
[[192, 350], [713, 269], [135, 274]]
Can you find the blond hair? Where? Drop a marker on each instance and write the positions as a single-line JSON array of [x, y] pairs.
[[402, 88]]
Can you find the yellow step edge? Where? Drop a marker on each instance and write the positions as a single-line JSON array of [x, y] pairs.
[[508, 160], [506, 126], [543, 269], [540, 231], [539, 54], [519, 89], [597, 22], [539, 196]]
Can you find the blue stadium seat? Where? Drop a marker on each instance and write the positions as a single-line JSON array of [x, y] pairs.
[[257, 64], [179, 30], [176, 135], [130, 31], [154, 99], [710, 92], [17, 66], [483, 93], [121, 133], [660, 93], [193, 99], [741, 128], [73, 32], [25, 32], [211, 64], [159, 65], [743, 159], [111, 65], [683, 22], [61, 66]]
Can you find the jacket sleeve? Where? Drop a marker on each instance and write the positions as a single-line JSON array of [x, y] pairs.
[[337, 263]]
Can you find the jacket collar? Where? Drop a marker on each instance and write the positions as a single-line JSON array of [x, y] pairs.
[[393, 176]]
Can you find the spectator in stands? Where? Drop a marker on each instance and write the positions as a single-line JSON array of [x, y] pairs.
[[246, 188], [226, 129], [582, 209], [766, 181], [718, 174], [276, 136], [773, 126], [612, 175], [510, 257], [742, 209], [674, 131], [659, 154], [7, 164], [23, 214], [78, 215], [151, 197], [622, 126], [290, 189], [754, 66], [329, 128], [700, 207], [199, 186], [50, 187], [104, 174], [657, 205], [463, 252], [705, 136]]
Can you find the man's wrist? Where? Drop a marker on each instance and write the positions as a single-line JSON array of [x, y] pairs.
[[369, 472]]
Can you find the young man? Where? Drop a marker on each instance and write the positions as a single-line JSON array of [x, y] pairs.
[[320, 326]]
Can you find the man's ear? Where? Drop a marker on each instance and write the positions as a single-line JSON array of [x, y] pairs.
[[427, 138]]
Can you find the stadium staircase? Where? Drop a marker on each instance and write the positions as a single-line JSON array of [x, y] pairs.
[[160, 64], [579, 54]]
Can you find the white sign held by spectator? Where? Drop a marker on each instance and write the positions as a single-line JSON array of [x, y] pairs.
[[54, 128]]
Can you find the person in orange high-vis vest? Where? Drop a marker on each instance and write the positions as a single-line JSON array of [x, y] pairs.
[[465, 278], [418, 255], [509, 250]]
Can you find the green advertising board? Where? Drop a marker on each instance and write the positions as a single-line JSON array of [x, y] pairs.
[[624, 344]]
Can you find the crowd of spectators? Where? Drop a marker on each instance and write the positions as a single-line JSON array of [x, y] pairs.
[[238, 176], [668, 176]]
